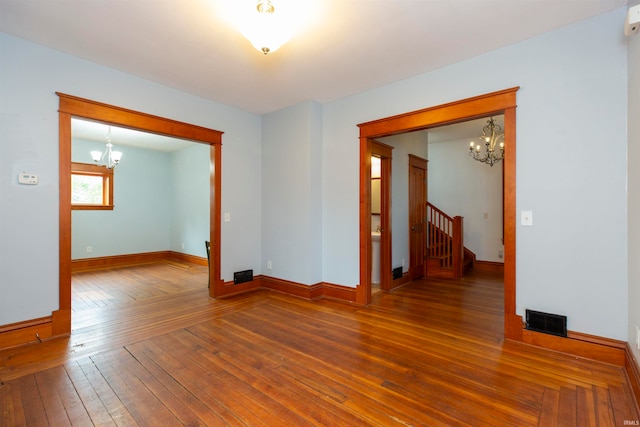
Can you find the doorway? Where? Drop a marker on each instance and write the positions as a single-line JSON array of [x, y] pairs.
[[71, 107], [417, 216], [158, 211], [502, 102], [383, 228]]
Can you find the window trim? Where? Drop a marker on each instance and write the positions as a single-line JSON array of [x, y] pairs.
[[107, 185]]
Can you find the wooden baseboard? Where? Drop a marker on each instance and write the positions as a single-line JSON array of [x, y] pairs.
[[27, 332], [632, 368], [114, 261], [604, 350], [310, 292], [489, 267], [400, 281], [338, 292], [189, 258]]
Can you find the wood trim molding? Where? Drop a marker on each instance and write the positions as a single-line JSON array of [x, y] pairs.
[[86, 264], [198, 260], [215, 220], [25, 324], [338, 292], [512, 321], [114, 261], [401, 281], [489, 267], [27, 332], [80, 107], [228, 289], [310, 292], [453, 112], [632, 368], [601, 349]]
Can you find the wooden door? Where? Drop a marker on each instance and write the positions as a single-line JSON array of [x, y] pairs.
[[417, 215]]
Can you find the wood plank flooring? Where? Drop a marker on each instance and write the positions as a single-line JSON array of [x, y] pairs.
[[101, 288], [428, 354]]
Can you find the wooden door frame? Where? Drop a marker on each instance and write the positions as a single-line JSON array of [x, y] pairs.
[[74, 107], [383, 151], [501, 102]]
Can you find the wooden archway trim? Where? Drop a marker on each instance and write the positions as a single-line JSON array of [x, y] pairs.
[[85, 108], [501, 102], [72, 106]]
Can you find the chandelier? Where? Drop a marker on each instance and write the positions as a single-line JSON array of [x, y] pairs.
[[265, 30], [109, 159], [492, 136]]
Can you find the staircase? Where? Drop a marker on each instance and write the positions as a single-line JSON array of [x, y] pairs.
[[446, 255]]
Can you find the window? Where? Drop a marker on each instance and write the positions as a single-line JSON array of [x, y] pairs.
[[91, 187]]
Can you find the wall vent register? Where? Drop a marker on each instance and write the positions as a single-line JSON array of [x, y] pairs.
[[547, 323], [242, 276]]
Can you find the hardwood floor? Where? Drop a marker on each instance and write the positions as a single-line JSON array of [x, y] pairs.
[[430, 353], [101, 288]]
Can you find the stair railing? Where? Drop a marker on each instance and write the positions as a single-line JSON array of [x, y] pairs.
[[445, 239]]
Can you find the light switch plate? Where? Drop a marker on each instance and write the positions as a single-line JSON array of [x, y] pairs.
[[526, 218]]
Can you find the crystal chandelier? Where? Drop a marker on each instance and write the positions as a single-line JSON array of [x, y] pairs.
[[492, 136], [109, 159]]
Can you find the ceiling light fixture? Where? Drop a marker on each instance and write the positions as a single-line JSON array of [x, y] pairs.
[[492, 136], [265, 30], [109, 159]]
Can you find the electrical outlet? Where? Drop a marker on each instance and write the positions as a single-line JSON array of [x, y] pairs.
[[89, 249], [500, 254], [638, 337], [269, 265]]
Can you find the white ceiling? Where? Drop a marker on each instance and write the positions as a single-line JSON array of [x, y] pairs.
[[350, 47]]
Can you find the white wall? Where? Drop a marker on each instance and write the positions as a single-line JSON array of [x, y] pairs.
[[291, 193], [161, 203], [633, 191], [572, 104], [29, 77], [462, 186], [141, 218], [189, 199]]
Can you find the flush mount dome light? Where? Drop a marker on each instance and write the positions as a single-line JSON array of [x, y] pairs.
[[265, 29]]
